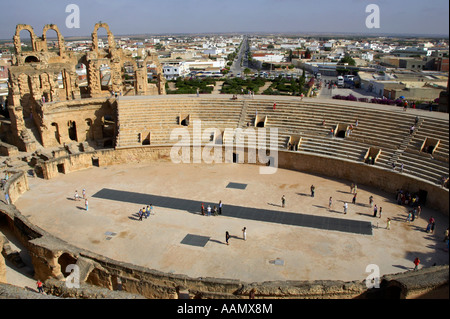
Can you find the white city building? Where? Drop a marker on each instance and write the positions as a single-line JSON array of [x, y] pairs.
[[173, 70]]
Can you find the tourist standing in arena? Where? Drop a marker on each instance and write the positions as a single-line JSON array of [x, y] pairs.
[[40, 287], [416, 263]]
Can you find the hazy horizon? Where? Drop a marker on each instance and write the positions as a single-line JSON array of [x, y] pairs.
[[139, 17]]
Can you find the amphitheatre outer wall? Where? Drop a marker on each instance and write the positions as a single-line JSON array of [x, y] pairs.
[[50, 254]]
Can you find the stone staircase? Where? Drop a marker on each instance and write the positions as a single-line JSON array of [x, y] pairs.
[[403, 146], [243, 115]]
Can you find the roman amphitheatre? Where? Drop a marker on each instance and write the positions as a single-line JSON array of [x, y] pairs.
[[119, 148]]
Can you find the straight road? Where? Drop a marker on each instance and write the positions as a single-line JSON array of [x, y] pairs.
[[241, 57]]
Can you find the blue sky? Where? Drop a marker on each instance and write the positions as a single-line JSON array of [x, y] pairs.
[[202, 16]]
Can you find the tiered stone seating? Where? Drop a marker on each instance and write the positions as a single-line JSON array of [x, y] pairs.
[[436, 129], [422, 164], [160, 116], [307, 119], [385, 129]]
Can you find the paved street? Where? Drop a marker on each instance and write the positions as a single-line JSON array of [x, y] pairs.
[[236, 67]]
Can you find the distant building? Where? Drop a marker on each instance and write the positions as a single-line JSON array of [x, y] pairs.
[[4, 66], [210, 65], [268, 57], [411, 52], [213, 51], [173, 70]]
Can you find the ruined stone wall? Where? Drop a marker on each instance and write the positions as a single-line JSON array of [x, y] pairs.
[[40, 76], [8, 150], [17, 185], [86, 117]]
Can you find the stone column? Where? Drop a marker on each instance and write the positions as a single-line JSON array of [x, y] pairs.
[[161, 83], [94, 79], [141, 81]]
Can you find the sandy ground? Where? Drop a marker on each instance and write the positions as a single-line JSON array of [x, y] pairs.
[[307, 253], [22, 277]]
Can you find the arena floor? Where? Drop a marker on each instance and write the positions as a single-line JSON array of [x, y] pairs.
[[272, 250]]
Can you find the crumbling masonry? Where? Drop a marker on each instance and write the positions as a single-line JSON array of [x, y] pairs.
[[40, 77]]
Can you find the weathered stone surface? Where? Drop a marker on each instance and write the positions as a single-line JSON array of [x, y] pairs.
[[34, 81], [12, 292], [59, 288], [2, 261]]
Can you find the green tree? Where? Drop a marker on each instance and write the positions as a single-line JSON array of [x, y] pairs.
[[348, 59]]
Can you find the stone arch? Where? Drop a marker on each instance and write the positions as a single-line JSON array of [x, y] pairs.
[[31, 59], [58, 34], [65, 260], [105, 73], [72, 130], [89, 129], [25, 91], [159, 73], [57, 135], [17, 45], [152, 59], [111, 42], [46, 86], [129, 68], [83, 80]]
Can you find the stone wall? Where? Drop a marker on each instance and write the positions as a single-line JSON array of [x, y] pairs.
[[17, 185], [51, 255], [363, 174], [86, 117], [8, 149]]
